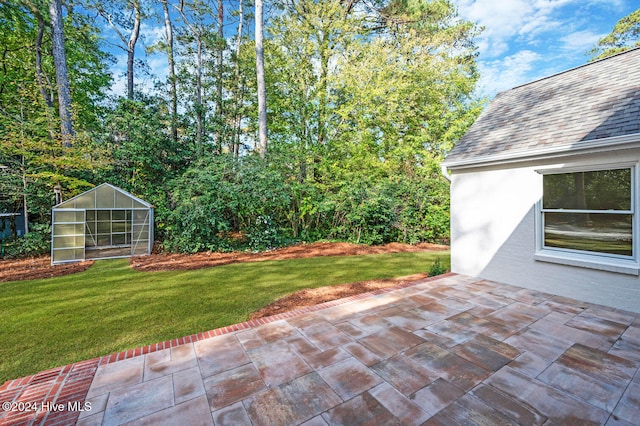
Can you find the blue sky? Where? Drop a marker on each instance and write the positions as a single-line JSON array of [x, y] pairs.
[[525, 40]]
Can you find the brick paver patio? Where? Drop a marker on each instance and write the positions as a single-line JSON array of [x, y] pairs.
[[444, 351]]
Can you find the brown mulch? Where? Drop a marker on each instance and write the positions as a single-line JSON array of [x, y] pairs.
[[173, 261], [315, 296], [38, 267]]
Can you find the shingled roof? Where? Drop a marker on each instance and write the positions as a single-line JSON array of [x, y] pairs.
[[561, 113]]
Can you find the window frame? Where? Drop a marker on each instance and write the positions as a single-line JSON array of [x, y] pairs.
[[590, 259]]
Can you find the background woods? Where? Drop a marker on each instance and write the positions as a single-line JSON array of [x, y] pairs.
[[361, 101]]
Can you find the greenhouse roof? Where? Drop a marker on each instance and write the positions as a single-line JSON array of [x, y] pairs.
[[104, 196]]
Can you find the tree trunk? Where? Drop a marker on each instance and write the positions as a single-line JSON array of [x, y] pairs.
[[322, 109], [199, 107], [25, 206], [39, 73], [238, 123], [198, 102], [62, 74], [262, 94], [131, 48], [172, 72], [43, 81], [219, 111], [239, 87]]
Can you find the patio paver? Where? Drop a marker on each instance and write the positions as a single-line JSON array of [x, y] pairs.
[[447, 350]]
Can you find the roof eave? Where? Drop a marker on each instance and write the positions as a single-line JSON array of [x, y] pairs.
[[593, 146]]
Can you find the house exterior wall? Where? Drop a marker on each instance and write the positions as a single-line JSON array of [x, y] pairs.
[[493, 232]]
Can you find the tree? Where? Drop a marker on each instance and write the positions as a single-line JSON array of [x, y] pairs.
[[303, 43], [262, 95], [197, 41], [143, 155], [624, 36], [113, 11], [33, 153], [62, 74], [238, 87], [220, 70], [173, 91]]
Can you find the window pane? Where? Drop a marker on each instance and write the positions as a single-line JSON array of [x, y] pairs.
[[597, 190], [122, 201], [597, 232], [62, 229], [105, 197], [104, 227], [69, 241], [86, 201], [104, 214], [140, 215], [64, 255], [64, 216], [118, 227], [91, 228]]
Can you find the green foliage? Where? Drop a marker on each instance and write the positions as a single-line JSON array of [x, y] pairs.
[[363, 213], [410, 209], [264, 234], [36, 242], [32, 155], [437, 268], [363, 102], [217, 199], [197, 221], [624, 36]]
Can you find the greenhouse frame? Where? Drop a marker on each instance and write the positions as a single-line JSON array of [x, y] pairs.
[[104, 222]]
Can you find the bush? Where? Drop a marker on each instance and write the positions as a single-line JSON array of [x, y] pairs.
[[217, 200], [363, 214], [198, 221], [437, 268], [35, 243], [264, 235], [221, 198]]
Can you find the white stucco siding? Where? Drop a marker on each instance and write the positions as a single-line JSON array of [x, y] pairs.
[[486, 207], [493, 234]]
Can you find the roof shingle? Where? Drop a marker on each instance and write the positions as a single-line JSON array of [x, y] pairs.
[[594, 101]]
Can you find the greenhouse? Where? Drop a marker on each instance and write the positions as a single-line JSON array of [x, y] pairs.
[[104, 222]]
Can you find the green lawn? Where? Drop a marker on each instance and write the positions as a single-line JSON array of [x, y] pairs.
[[111, 307]]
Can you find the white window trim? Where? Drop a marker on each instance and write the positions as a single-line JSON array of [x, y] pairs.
[[585, 259]]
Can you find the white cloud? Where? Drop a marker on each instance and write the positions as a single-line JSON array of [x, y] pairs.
[[514, 19], [119, 86], [158, 65], [152, 33], [501, 21], [580, 41], [524, 40], [510, 71]]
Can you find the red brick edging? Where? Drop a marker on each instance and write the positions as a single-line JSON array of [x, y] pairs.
[[53, 397]]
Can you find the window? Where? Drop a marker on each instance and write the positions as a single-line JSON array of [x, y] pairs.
[[588, 216]]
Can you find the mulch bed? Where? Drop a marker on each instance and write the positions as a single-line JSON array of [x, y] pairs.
[[38, 267], [173, 261]]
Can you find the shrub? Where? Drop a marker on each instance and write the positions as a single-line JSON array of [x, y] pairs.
[[264, 235], [217, 200], [36, 242], [363, 214], [437, 268]]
